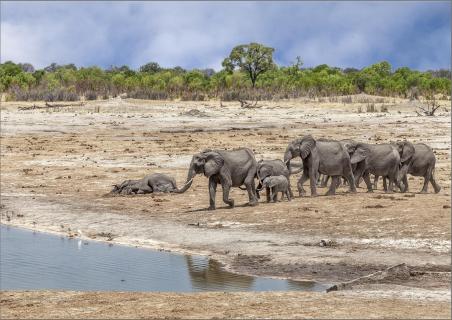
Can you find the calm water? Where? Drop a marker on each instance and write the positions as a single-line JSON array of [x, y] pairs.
[[31, 260]]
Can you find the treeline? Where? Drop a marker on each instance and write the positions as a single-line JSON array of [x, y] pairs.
[[22, 82]]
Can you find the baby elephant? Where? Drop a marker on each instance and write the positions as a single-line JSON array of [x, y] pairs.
[[277, 184]]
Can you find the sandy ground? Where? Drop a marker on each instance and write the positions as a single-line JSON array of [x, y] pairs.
[[282, 305], [57, 165]]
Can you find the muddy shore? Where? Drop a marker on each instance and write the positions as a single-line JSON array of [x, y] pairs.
[[58, 164]]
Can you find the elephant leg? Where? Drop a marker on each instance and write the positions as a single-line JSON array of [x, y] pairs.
[[385, 185], [251, 188], [212, 192], [313, 181], [366, 178], [267, 189], [289, 198], [344, 181], [436, 187], [272, 199], [259, 187], [226, 188], [405, 183], [358, 174], [332, 190], [426, 181], [376, 182], [300, 182], [351, 182], [324, 181], [390, 187], [357, 181], [289, 188]]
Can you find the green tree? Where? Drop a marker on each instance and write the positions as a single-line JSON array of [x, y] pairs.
[[253, 59], [151, 67]]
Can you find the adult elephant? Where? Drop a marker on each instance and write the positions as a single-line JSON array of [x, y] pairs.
[[324, 178], [418, 160], [326, 157], [267, 168], [377, 159], [229, 168]]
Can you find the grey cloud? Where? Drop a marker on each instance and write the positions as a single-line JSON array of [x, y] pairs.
[[201, 34]]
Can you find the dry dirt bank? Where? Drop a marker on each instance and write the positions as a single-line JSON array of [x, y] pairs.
[[282, 305], [57, 165]]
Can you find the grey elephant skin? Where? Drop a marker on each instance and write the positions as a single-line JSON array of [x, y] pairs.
[[326, 157], [417, 160], [323, 180], [230, 168], [377, 159], [267, 168], [156, 182], [277, 184]]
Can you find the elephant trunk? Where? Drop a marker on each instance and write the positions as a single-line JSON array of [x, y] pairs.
[[191, 174], [403, 171], [287, 158]]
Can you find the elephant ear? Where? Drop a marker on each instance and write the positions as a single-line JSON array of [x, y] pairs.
[[214, 162], [359, 155], [306, 146], [408, 151], [349, 147]]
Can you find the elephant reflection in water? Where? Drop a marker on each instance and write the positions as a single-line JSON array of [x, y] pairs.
[[210, 275]]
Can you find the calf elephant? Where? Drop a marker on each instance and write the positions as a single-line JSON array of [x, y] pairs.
[[326, 157], [228, 168], [267, 168], [277, 184], [417, 160], [378, 159], [156, 182]]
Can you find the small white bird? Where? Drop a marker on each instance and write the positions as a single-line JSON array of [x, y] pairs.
[[79, 243]]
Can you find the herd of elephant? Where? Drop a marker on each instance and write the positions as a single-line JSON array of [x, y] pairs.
[[339, 159]]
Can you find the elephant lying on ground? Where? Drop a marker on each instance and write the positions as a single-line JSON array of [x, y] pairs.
[[267, 168], [228, 168], [156, 182], [417, 160], [377, 159], [277, 184], [324, 157]]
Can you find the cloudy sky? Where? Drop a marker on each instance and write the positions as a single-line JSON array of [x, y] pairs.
[[201, 34]]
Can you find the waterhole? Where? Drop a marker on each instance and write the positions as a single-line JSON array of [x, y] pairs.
[[37, 261]]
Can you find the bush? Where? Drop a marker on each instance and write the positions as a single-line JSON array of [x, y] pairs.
[[90, 95], [347, 99], [371, 107], [384, 108]]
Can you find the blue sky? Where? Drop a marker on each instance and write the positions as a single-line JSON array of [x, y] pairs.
[[201, 34]]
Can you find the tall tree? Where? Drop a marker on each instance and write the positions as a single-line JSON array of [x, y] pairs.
[[253, 58]]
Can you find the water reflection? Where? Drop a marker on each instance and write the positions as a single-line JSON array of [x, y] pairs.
[[208, 274]]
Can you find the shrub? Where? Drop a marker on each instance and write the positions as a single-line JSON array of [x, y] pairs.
[[90, 95]]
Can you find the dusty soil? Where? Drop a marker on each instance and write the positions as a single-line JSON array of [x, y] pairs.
[[58, 164], [282, 305]]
